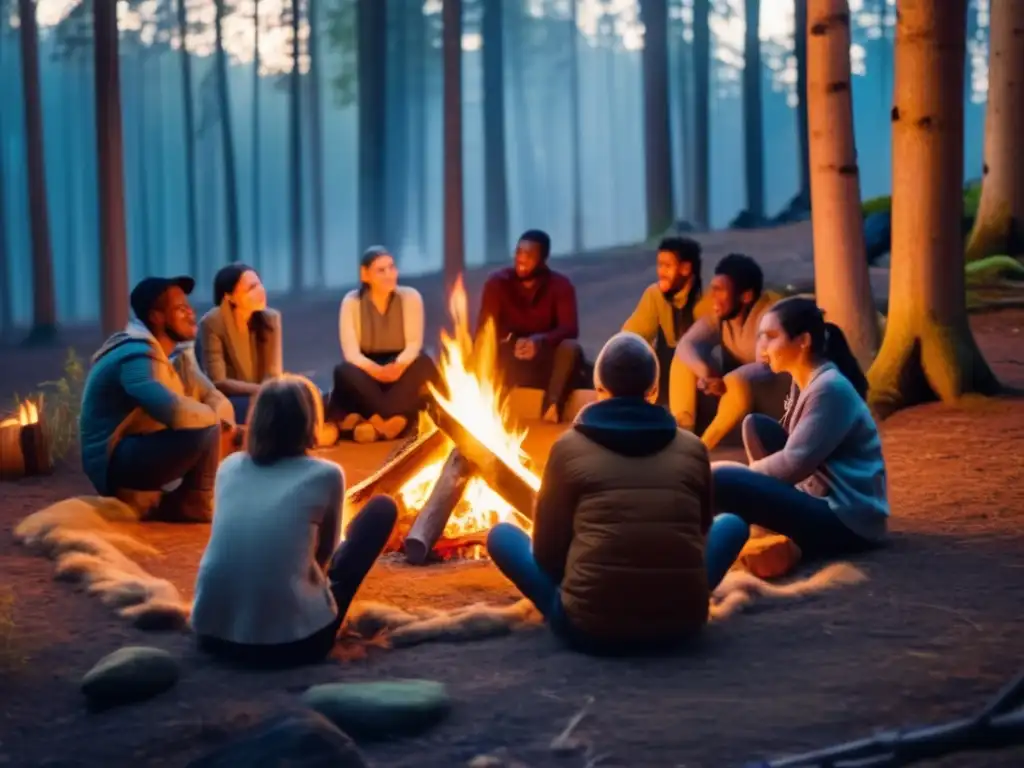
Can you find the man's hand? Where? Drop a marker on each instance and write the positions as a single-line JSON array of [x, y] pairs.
[[712, 386], [389, 373], [526, 349]]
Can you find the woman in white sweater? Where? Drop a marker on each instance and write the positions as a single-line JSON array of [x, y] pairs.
[[379, 387], [273, 586]]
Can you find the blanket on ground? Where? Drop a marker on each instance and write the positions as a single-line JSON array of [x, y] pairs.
[[89, 539]]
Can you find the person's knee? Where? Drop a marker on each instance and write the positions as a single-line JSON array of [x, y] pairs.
[[569, 349], [383, 510], [730, 527], [501, 536]]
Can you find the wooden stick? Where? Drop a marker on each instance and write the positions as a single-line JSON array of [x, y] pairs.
[[396, 471], [433, 517]]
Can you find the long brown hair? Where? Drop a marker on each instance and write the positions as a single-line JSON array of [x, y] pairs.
[[286, 418]]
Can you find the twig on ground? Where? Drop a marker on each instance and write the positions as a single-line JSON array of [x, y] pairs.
[[565, 743]]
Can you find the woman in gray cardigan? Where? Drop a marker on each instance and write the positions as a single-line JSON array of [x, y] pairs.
[[819, 476]]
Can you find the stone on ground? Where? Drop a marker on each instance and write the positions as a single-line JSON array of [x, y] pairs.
[[129, 674], [299, 738], [381, 709]]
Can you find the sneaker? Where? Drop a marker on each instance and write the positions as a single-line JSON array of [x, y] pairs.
[[350, 422]]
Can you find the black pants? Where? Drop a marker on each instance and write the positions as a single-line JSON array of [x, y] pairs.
[[352, 560], [356, 391], [558, 371]]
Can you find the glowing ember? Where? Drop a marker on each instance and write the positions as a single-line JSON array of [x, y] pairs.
[[28, 413], [477, 402]]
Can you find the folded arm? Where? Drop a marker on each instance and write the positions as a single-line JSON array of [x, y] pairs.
[[160, 402], [696, 346], [553, 516], [413, 322], [350, 349]]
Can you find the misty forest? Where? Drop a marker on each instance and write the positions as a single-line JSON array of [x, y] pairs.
[[291, 135]]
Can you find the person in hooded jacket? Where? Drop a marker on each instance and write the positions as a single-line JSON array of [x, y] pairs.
[[151, 422], [625, 551]]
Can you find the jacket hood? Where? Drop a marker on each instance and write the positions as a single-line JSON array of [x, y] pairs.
[[135, 331], [628, 426]]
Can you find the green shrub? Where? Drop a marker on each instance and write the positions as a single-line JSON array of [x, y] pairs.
[[60, 403], [972, 194]]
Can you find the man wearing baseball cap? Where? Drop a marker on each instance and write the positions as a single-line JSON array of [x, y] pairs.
[[147, 423]]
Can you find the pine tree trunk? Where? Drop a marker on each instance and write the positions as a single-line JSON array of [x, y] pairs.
[[454, 229], [999, 226], [371, 31], [6, 309], [191, 205], [841, 281], [110, 167], [227, 137], [143, 242], [159, 208], [295, 153], [44, 303], [753, 120], [495, 177], [316, 143], [400, 131], [657, 141], [701, 113], [800, 44], [928, 351], [574, 130], [69, 133], [418, 117], [257, 256]]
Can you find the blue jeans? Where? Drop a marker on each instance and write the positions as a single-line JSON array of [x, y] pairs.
[[241, 405], [510, 549]]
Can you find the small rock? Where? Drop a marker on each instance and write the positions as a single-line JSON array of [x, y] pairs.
[[380, 709], [301, 738], [130, 674]]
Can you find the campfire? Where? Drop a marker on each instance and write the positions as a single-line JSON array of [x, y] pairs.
[[466, 470], [24, 447]]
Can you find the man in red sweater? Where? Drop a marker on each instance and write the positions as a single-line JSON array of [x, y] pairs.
[[533, 311]]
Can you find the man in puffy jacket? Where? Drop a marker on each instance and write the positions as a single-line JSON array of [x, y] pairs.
[[624, 550], [151, 422]]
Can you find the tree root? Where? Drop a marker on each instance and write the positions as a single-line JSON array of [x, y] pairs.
[[994, 233]]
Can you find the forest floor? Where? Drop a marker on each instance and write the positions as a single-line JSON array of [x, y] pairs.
[[930, 636]]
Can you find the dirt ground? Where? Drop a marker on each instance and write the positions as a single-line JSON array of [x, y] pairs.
[[935, 630]]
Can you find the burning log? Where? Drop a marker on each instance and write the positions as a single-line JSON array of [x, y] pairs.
[[433, 517], [24, 443]]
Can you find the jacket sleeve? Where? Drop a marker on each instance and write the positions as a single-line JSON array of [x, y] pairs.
[[553, 515], [695, 347], [159, 402], [566, 317], [275, 359], [349, 338], [413, 320], [827, 418], [213, 363], [644, 320], [329, 532]]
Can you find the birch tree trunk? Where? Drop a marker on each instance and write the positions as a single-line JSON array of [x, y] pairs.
[[928, 351], [999, 226], [841, 281]]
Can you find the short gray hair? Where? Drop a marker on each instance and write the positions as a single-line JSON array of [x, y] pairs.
[[627, 366]]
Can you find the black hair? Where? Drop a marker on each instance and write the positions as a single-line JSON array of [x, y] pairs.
[[800, 314], [687, 250], [224, 284], [541, 238], [745, 273], [369, 256]]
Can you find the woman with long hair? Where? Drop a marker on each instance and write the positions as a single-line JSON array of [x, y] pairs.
[[818, 477], [273, 585], [379, 387]]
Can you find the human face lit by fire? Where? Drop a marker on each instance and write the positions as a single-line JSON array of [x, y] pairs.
[[774, 346], [673, 273], [250, 295], [528, 257], [381, 274], [176, 316]]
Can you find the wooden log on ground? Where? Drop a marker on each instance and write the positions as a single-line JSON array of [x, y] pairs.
[[516, 485], [433, 517]]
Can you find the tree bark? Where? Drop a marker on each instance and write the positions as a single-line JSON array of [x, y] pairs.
[[433, 517], [657, 141], [371, 30], [6, 310], [144, 237], [842, 286], [418, 117], [454, 228], [753, 119], [701, 113], [110, 171], [928, 351], [316, 143], [400, 128], [298, 258], [999, 226], [802, 121], [44, 302], [191, 207], [495, 176], [574, 130], [227, 137], [257, 256]]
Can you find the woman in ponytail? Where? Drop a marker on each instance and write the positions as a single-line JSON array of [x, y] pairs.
[[819, 476]]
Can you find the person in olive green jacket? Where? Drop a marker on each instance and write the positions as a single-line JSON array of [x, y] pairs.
[[719, 352], [665, 312]]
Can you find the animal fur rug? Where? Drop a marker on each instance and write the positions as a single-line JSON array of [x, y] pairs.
[[87, 538]]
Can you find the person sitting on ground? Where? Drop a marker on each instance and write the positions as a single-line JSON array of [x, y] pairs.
[[532, 311], [743, 384], [239, 345], [273, 585], [666, 310], [818, 477], [380, 386], [145, 422], [625, 551]]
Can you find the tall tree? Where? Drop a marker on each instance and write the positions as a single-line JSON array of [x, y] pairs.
[[841, 281], [372, 37], [928, 350], [753, 120], [454, 228], [44, 303], [999, 226], [701, 208], [316, 141], [110, 153], [803, 139], [6, 308], [298, 260], [495, 176], [417, 106], [657, 142], [143, 242], [257, 256], [574, 129], [189, 119], [227, 135]]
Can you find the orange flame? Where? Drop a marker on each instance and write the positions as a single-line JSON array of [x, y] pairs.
[[27, 413]]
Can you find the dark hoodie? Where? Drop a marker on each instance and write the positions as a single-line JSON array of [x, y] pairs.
[[621, 516]]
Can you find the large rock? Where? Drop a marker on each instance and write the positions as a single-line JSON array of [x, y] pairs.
[[303, 738], [130, 674], [381, 709]]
